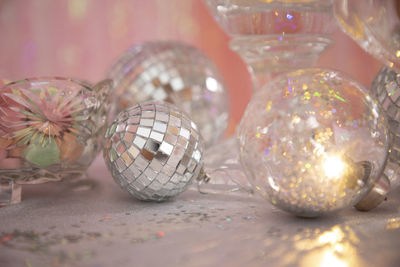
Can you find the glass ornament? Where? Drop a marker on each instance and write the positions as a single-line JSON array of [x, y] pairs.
[[313, 142], [374, 25], [153, 151], [176, 73], [50, 129]]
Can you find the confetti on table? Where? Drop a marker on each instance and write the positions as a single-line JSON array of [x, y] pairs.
[[160, 234], [6, 238]]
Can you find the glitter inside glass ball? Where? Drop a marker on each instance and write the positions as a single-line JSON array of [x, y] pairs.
[[313, 142], [176, 73], [153, 151]]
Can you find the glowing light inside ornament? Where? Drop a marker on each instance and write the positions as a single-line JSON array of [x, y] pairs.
[[333, 167]]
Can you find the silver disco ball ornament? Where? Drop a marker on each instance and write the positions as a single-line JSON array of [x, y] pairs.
[[313, 142], [153, 151], [176, 73], [386, 88]]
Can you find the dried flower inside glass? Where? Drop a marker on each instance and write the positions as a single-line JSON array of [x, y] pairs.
[[50, 129]]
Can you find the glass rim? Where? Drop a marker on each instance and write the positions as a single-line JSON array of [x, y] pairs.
[[85, 84]]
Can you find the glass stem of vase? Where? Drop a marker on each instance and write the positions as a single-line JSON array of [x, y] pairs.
[[267, 56]]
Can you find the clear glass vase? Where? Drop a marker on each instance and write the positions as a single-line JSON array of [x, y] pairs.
[[275, 36], [50, 129]]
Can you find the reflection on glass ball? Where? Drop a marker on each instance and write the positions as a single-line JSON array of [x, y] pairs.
[[374, 25], [313, 142], [176, 73], [153, 150]]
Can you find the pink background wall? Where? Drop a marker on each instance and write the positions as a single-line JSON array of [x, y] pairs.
[[81, 38]]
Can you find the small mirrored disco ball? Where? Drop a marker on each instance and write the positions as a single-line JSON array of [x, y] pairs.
[[386, 88], [153, 151], [176, 73]]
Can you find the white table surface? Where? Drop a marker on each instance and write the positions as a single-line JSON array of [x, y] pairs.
[[56, 225]]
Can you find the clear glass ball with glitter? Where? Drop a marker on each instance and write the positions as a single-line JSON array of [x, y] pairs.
[[313, 142], [153, 150], [176, 73]]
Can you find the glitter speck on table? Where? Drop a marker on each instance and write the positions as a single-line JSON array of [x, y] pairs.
[[160, 234]]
